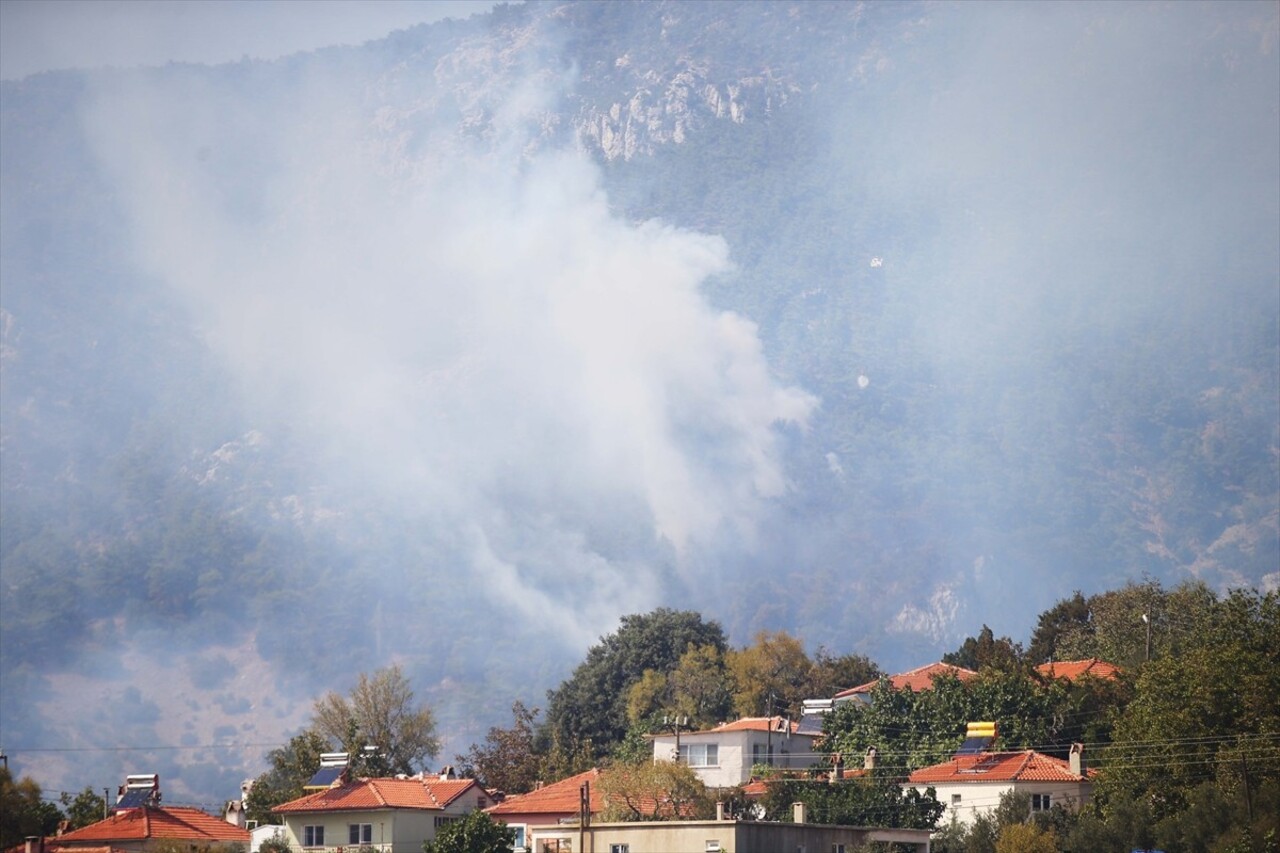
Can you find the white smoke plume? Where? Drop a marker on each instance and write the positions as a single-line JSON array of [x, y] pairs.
[[483, 344]]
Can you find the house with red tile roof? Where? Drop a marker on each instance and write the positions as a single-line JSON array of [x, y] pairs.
[[972, 784], [552, 814], [918, 679], [557, 804], [1074, 670], [723, 756], [141, 829], [388, 815]]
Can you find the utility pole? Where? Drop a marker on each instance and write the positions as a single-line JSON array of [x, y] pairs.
[[1147, 621], [769, 736], [1248, 793], [675, 721]]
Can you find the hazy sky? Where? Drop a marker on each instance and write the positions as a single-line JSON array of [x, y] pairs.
[[41, 35]]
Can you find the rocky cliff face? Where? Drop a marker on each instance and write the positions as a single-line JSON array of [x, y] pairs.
[[625, 79]]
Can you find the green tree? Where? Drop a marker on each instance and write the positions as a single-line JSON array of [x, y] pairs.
[[507, 760], [1070, 616], [1211, 708], [649, 697], [475, 833], [274, 844], [23, 811], [85, 808], [380, 713], [918, 729], [1026, 838], [876, 800], [587, 713], [986, 652], [701, 685], [292, 766], [700, 688], [832, 674], [654, 790], [1124, 625], [772, 675]]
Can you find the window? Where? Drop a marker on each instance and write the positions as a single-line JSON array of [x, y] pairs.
[[359, 833], [713, 845], [619, 848], [760, 754], [313, 836], [837, 848], [445, 820], [1040, 802], [700, 754], [955, 799], [518, 829]]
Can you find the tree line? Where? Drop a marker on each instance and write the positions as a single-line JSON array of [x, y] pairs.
[[1185, 741]]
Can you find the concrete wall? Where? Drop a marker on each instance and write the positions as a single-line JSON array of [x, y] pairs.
[[727, 836]]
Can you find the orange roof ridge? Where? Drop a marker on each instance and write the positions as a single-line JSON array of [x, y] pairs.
[[920, 678], [1004, 766], [556, 798]]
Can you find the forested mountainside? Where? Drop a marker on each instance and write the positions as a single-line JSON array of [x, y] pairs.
[[869, 322]]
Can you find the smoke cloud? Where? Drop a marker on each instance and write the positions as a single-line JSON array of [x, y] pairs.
[[484, 346]]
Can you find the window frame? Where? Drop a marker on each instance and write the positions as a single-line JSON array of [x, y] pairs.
[[709, 754], [362, 832], [313, 835]]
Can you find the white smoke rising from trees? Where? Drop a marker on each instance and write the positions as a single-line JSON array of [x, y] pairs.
[[486, 344]]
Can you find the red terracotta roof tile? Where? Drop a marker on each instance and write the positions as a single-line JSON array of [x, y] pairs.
[[1073, 670], [759, 787], [1023, 766], [366, 794], [920, 678], [557, 798], [753, 724], [445, 791], [178, 822]]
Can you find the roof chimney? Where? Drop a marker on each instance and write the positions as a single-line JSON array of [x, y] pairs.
[[719, 809], [869, 762], [837, 768], [1076, 761], [799, 813]]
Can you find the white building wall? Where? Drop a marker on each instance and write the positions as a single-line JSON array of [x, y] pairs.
[[978, 798], [735, 751], [399, 831]]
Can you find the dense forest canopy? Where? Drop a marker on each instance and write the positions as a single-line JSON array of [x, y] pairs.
[[867, 323]]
